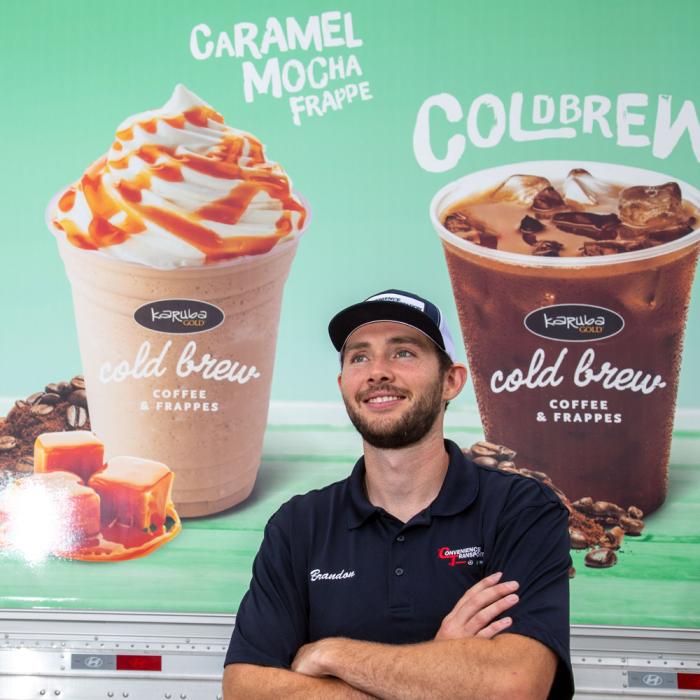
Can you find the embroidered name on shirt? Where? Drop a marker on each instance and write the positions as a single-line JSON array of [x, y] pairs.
[[465, 555], [318, 575]]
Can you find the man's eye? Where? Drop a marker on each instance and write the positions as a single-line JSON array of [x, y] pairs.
[[404, 353], [357, 358]]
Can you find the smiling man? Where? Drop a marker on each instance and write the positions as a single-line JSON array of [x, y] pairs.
[[394, 582]]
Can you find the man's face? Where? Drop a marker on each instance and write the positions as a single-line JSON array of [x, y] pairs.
[[391, 384]]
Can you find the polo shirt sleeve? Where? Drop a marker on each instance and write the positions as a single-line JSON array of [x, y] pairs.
[[271, 623], [532, 547]]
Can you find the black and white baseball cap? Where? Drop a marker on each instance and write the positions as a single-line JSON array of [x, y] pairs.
[[400, 307]]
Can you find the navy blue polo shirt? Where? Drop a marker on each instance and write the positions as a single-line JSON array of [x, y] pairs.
[[333, 565]]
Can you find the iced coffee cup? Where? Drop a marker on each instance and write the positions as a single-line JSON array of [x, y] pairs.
[[572, 283], [177, 245]]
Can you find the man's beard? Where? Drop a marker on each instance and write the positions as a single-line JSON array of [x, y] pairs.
[[412, 426]]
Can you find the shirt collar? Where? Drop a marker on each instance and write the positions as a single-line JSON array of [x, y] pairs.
[[458, 490]]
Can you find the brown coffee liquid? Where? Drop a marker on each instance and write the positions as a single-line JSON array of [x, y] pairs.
[[578, 216]]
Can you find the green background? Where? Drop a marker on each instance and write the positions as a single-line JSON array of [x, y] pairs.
[[73, 70]]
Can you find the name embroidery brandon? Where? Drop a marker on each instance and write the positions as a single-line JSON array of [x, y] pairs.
[[318, 575], [470, 556]]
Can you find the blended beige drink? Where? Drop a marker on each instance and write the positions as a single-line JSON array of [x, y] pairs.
[[177, 245], [572, 282]]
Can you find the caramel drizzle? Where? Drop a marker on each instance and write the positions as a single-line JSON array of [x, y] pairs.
[[165, 164]]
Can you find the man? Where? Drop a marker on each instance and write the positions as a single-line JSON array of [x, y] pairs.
[[393, 582]]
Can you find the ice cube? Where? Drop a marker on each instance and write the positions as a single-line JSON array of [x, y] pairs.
[[520, 188], [582, 188], [457, 223], [586, 223], [654, 205], [547, 199], [591, 248], [547, 249]]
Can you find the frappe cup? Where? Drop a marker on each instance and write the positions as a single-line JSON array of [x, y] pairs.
[[575, 360], [192, 390]]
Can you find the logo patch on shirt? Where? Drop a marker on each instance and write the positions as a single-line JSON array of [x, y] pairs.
[[318, 575], [467, 556]]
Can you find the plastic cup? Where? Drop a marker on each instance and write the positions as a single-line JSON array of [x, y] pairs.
[[178, 364], [594, 407]]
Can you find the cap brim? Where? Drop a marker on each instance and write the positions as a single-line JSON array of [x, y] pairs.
[[348, 320]]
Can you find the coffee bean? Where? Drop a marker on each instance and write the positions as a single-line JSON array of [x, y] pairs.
[[506, 453], [506, 464], [78, 382], [578, 539], [609, 511], [20, 405], [491, 446], [486, 461], [572, 572], [539, 476], [583, 504], [561, 495], [52, 388], [50, 399], [64, 388], [482, 449], [25, 465], [76, 417], [602, 558], [41, 409], [635, 513], [78, 398], [7, 443], [33, 398], [632, 526], [613, 538]]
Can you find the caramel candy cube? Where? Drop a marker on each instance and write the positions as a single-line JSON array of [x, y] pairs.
[[134, 492], [77, 451], [69, 510]]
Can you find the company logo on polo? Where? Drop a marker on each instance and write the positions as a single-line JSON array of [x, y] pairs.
[[318, 575], [465, 556]]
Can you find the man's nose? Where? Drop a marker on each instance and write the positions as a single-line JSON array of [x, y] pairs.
[[380, 371]]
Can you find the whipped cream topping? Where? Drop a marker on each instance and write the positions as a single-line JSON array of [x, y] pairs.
[[180, 188]]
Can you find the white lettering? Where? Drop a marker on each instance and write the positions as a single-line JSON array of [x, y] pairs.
[[611, 377], [422, 148], [303, 39], [627, 118], [667, 134], [498, 129], [517, 133], [252, 80], [195, 48], [595, 107]]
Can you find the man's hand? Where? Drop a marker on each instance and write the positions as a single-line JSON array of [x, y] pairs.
[[308, 659], [473, 614]]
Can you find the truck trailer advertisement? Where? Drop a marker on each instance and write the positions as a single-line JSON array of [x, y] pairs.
[[192, 194]]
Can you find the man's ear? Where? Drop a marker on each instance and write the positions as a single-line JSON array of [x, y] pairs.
[[455, 379]]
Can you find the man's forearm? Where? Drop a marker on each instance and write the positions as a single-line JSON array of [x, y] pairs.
[[509, 666], [243, 681]]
